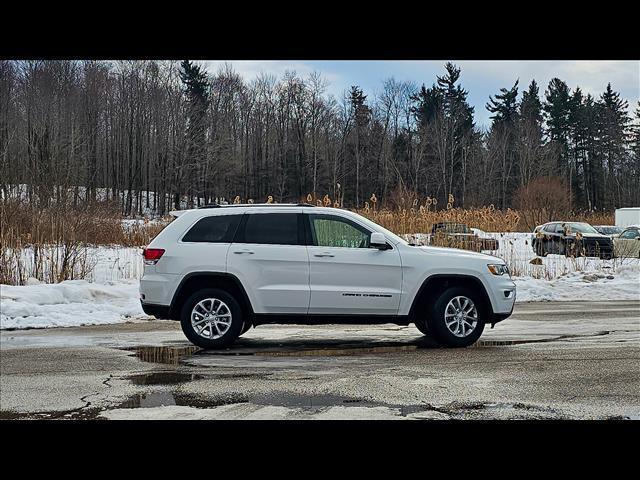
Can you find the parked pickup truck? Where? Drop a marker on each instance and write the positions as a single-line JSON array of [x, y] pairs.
[[459, 235]]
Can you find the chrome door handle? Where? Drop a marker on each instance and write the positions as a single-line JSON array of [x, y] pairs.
[[324, 255], [240, 252]]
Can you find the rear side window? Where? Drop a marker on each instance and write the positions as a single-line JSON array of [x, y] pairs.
[[271, 229], [215, 229]]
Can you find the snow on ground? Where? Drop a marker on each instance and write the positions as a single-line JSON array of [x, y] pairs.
[[108, 295], [111, 294], [69, 303], [624, 284]]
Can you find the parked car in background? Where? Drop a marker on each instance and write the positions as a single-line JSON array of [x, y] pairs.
[[572, 239], [459, 235], [627, 244], [610, 230]]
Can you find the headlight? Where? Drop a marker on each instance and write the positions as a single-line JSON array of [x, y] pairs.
[[498, 269]]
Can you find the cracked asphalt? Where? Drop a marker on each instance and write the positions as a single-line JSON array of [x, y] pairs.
[[560, 360]]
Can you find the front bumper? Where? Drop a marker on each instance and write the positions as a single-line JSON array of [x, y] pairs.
[[598, 248]]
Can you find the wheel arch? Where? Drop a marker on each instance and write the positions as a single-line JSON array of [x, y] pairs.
[[195, 281], [434, 285]]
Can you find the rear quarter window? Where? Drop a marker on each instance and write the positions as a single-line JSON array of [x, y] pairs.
[[214, 229]]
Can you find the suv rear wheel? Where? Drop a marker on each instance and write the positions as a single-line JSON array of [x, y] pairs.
[[211, 318], [457, 317]]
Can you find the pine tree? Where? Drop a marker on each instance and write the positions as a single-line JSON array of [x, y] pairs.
[[532, 157], [557, 109], [613, 122], [530, 105], [504, 106], [586, 159], [429, 103], [503, 135], [196, 89], [361, 116], [454, 100]]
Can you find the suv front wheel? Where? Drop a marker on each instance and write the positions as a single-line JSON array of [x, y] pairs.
[[457, 317], [211, 318]]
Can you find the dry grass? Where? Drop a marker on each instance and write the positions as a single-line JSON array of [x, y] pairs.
[[50, 243]]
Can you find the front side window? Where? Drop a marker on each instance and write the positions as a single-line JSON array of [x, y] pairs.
[[630, 234], [332, 231], [271, 229], [214, 229]]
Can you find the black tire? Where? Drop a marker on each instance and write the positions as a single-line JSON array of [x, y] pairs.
[[245, 328], [229, 336], [421, 324], [436, 320]]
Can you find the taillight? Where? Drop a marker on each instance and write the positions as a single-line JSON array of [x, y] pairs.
[[152, 255]]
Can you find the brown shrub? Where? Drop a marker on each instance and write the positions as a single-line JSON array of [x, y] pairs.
[[542, 200], [50, 243]]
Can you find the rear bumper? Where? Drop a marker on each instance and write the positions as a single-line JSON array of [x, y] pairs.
[[159, 311]]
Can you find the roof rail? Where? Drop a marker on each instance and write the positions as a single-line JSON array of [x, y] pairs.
[[216, 205]]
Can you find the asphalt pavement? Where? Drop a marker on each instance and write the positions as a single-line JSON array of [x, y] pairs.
[[550, 360]]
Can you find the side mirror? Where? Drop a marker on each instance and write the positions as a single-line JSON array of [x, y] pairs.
[[378, 241]]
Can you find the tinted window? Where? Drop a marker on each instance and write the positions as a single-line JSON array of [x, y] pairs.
[[271, 229], [631, 234], [331, 231], [216, 229]]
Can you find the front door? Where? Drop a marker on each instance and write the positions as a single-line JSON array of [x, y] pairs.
[[347, 277]]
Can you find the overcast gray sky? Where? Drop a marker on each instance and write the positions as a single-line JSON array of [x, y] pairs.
[[480, 78]]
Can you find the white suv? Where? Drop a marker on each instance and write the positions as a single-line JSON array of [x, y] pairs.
[[222, 269]]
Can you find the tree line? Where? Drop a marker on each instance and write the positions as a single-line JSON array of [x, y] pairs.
[[153, 134]]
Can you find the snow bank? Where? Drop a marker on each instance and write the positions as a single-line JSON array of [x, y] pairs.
[[112, 295], [624, 284], [68, 304]]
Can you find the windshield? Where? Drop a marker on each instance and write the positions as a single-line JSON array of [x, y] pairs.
[[581, 227], [609, 230], [377, 228]]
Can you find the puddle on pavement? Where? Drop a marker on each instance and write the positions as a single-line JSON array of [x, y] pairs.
[[169, 354], [167, 398], [334, 352], [163, 378], [173, 354]]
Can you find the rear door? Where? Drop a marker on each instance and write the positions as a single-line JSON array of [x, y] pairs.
[[269, 257], [347, 277]]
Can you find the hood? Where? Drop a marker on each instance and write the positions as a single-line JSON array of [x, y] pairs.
[[597, 236], [458, 253]]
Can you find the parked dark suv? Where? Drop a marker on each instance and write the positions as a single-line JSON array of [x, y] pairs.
[[572, 239]]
